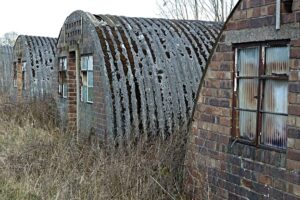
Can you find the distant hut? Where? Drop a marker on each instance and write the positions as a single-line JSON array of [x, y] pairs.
[[6, 54], [125, 76], [34, 75]]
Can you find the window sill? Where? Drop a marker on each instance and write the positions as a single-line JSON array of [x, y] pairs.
[[233, 141], [88, 102]]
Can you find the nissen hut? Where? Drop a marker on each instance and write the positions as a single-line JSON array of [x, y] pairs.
[[33, 68], [121, 76], [245, 139], [6, 54]]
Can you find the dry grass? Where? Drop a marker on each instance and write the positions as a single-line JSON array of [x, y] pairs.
[[38, 161]]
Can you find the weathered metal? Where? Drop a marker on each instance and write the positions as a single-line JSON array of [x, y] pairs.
[[6, 54], [33, 62], [150, 69], [262, 95]]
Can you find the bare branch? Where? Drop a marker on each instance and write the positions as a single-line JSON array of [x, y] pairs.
[[213, 10]]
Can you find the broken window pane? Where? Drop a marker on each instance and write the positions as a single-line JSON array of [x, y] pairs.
[[63, 63]]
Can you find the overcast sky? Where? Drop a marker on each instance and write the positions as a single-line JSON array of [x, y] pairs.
[[45, 17]]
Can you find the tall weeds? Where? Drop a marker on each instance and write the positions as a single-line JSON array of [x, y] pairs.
[[39, 161]]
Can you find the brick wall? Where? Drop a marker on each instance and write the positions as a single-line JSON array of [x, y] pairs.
[[72, 116], [219, 167]]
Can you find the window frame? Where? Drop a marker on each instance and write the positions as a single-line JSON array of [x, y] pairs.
[[15, 78], [262, 77], [63, 72], [85, 72], [23, 75]]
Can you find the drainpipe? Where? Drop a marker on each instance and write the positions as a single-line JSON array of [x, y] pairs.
[[77, 52], [278, 14]]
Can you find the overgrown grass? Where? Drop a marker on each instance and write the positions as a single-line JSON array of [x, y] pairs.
[[39, 161]]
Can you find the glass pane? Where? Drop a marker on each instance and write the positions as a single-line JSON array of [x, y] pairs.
[[274, 130], [24, 66], [276, 96], [277, 60], [84, 93], [248, 61], [90, 94], [65, 64], [65, 90], [90, 79], [247, 93], [81, 93], [84, 63], [248, 65], [84, 78], [90, 62], [247, 125]]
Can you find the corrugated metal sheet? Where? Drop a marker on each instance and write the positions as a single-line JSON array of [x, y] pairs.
[[275, 102], [153, 68], [248, 65], [39, 55], [6, 72]]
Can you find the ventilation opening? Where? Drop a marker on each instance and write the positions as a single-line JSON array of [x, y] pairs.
[[33, 73]]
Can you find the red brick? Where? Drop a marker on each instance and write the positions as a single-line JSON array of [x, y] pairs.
[[293, 154], [265, 180], [294, 110], [295, 43], [295, 52], [247, 183], [271, 9]]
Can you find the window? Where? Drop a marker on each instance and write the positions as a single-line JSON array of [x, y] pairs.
[[62, 77], [87, 79], [15, 74], [261, 95], [24, 76]]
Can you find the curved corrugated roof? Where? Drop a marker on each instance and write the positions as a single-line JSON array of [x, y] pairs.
[[39, 55], [6, 55], [153, 68]]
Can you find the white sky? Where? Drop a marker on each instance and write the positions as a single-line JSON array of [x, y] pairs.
[[45, 17]]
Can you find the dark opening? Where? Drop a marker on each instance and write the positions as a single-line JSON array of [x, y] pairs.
[[33, 73]]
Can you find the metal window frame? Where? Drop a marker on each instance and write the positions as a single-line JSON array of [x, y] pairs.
[[86, 72], [63, 72], [262, 78], [24, 65]]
